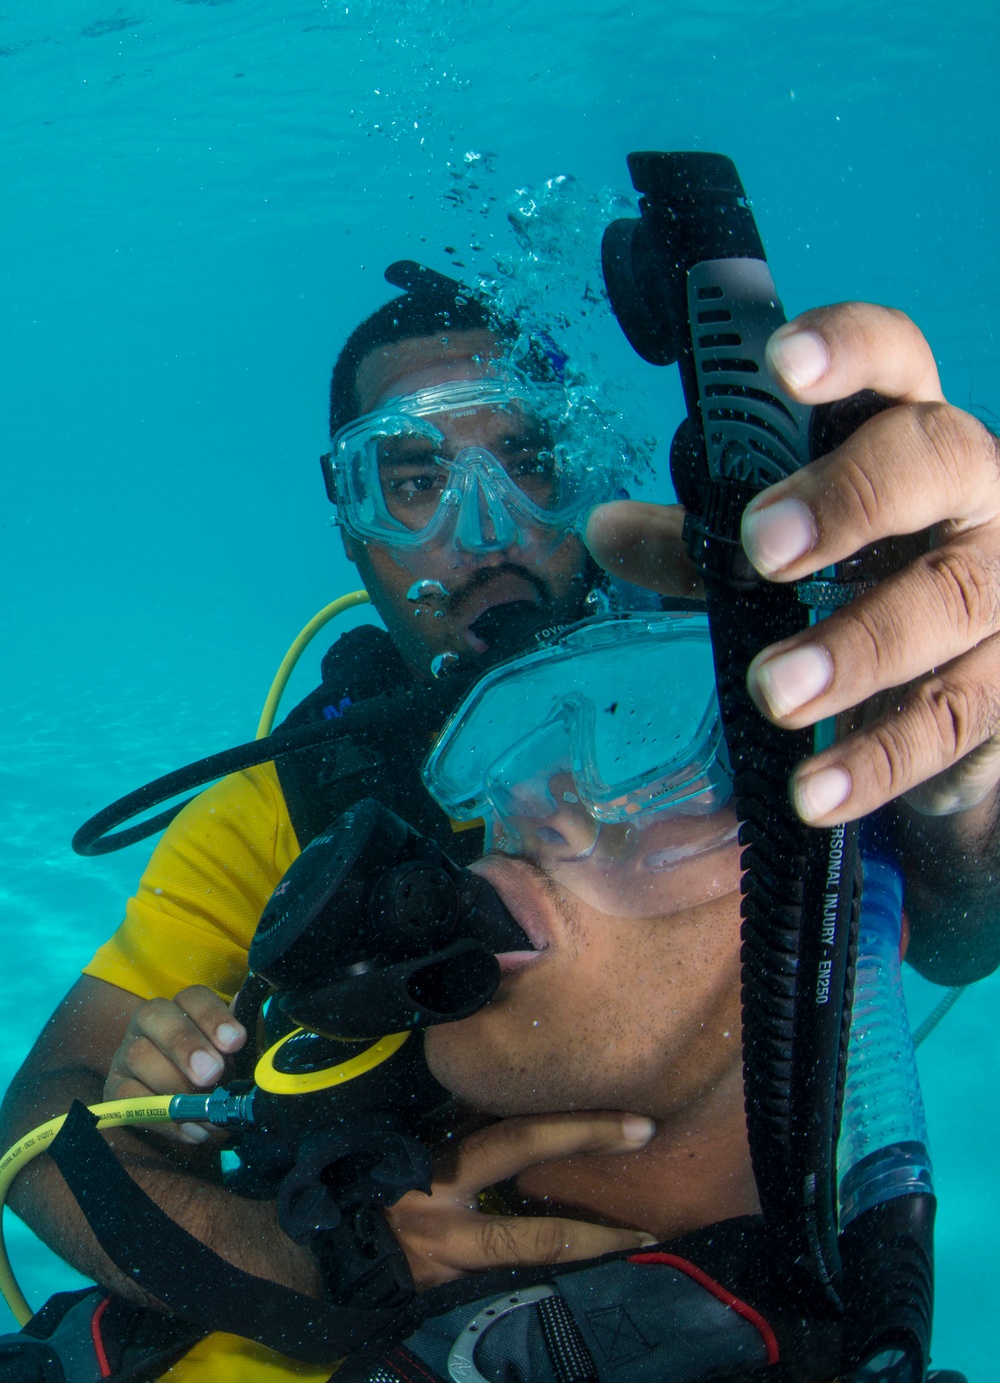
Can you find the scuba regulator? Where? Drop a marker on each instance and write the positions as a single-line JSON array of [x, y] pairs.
[[373, 934], [689, 282]]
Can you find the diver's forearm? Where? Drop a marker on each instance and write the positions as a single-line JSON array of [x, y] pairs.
[[952, 870], [38, 1194], [41, 1198], [244, 1232]]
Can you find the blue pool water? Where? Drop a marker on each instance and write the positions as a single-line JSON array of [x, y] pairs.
[[198, 199]]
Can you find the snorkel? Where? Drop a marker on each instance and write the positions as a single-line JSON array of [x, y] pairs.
[[689, 283]]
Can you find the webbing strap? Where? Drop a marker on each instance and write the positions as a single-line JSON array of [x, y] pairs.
[[163, 1259], [398, 1365], [572, 1361]]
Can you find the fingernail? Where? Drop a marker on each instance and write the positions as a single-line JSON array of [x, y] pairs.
[[228, 1033], [776, 534], [637, 1129], [817, 794], [645, 1240], [194, 1133], [800, 359], [205, 1066], [791, 679]]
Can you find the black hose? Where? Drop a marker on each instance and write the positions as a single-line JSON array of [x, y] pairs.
[[689, 283], [420, 707], [798, 912]]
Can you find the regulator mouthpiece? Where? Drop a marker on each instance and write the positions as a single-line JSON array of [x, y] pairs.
[[450, 984], [375, 929]]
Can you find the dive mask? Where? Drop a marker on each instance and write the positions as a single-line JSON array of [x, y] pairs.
[[618, 715], [477, 465]]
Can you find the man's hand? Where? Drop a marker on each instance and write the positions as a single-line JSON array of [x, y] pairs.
[[445, 1235], [69, 1061], [174, 1047], [925, 641]]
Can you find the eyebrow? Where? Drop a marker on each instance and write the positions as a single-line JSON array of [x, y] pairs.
[[406, 449]]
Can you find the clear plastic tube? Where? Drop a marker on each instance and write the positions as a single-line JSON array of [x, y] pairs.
[[883, 1150]]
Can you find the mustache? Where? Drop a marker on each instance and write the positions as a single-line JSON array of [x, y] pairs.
[[485, 575]]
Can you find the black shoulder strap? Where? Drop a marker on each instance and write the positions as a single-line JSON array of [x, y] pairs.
[[319, 784], [184, 1274]]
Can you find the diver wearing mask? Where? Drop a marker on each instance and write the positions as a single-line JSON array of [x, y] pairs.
[[460, 487], [613, 851], [462, 467], [613, 847]]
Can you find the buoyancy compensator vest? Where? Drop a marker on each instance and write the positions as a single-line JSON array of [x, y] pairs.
[[320, 783], [696, 1309], [90, 1335]]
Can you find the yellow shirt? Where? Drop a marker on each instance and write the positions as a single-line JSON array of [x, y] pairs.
[[200, 899], [191, 922]]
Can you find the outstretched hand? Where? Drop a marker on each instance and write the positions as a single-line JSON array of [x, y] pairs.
[[921, 651], [445, 1235]]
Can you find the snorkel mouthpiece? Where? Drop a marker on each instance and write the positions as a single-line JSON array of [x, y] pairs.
[[515, 628], [375, 929], [507, 630]]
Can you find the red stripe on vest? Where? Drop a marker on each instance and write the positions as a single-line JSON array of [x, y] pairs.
[[671, 1260], [95, 1335]]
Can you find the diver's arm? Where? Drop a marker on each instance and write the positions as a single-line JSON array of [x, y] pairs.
[[68, 1062], [951, 865], [920, 653]]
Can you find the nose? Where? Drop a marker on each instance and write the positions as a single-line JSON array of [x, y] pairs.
[[569, 833], [484, 523]]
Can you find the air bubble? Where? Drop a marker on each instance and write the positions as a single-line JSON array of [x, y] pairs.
[[425, 590], [443, 664]]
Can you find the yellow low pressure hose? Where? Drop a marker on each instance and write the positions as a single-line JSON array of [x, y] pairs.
[[329, 612], [153, 1110]]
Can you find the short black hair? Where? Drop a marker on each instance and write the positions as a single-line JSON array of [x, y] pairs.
[[430, 305]]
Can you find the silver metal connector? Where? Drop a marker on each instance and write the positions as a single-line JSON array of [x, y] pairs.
[[221, 1108]]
